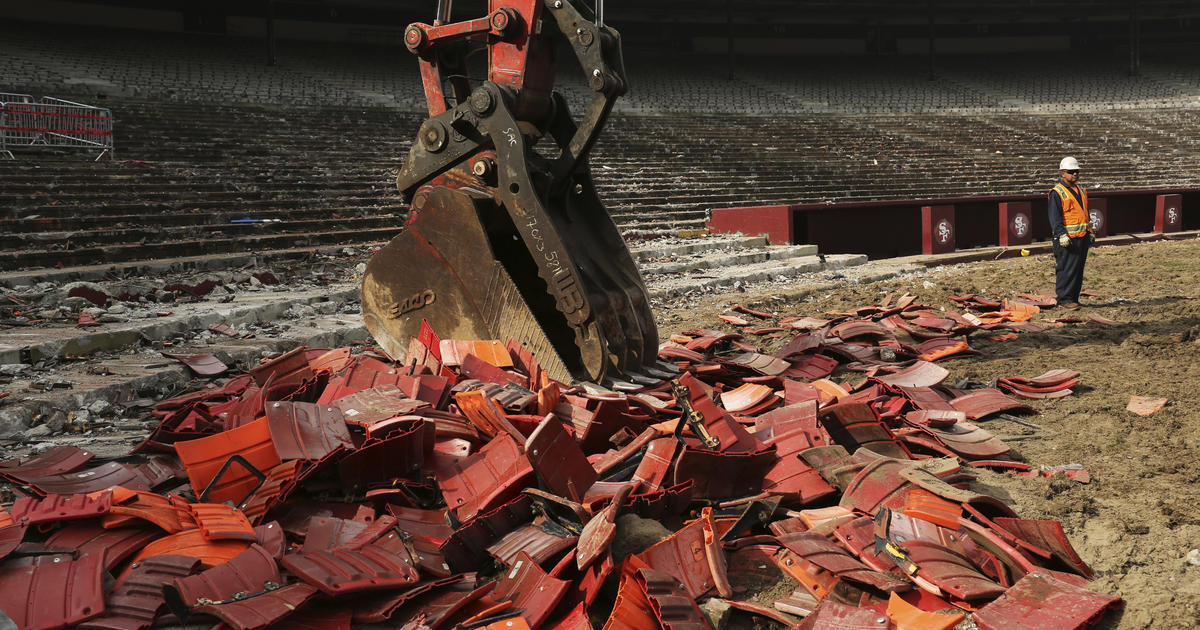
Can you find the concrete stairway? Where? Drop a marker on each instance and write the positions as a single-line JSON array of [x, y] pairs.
[[673, 268], [677, 267]]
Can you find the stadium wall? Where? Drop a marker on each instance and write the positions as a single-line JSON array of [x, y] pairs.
[[61, 12], [982, 45], [896, 229]]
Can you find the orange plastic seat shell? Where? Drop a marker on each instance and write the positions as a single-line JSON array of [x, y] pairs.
[[531, 590], [920, 374], [818, 581], [830, 391], [745, 396], [685, 556], [1020, 311], [204, 457], [193, 544], [831, 516], [909, 617], [333, 361], [944, 351], [171, 515], [453, 351], [218, 521], [278, 478], [485, 479], [631, 610], [927, 506], [485, 415], [558, 460]]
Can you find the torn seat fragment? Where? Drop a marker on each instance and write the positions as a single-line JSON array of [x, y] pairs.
[[53, 591], [827, 555], [950, 571], [1043, 602], [252, 571], [343, 571], [136, 600]]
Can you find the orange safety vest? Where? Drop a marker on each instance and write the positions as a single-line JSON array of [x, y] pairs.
[[1075, 215]]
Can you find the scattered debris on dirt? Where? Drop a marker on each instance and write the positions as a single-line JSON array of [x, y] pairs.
[[469, 483], [1145, 405], [1129, 522]]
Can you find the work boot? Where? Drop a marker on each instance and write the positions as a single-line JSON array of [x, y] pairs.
[[1070, 306]]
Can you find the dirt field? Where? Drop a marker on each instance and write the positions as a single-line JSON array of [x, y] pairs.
[[1140, 515]]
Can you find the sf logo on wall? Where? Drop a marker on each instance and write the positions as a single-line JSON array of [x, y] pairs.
[[1020, 225], [1095, 220], [944, 231], [1172, 216]]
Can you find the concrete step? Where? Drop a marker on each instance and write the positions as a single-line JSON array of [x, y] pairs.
[[144, 373], [669, 286], [736, 258], [36, 343], [673, 248], [655, 230], [161, 266], [124, 253]]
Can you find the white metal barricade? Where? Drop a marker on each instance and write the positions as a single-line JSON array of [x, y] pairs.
[[54, 122], [12, 122]]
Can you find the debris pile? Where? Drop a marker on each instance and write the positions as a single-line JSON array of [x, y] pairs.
[[148, 291], [464, 488]]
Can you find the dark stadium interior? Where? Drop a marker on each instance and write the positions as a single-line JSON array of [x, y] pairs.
[[290, 340], [732, 104]]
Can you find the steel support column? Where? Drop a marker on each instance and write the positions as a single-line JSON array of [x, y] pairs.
[[729, 38], [271, 56], [1135, 39], [931, 8]]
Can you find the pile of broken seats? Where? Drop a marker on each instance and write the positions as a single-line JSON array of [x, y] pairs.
[[465, 488]]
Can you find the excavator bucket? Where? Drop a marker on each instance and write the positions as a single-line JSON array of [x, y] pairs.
[[462, 265], [444, 269], [503, 242]]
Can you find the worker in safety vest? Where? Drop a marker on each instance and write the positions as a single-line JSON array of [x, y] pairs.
[[1070, 225]]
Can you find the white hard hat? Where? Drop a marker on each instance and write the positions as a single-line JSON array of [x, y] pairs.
[[1068, 164]]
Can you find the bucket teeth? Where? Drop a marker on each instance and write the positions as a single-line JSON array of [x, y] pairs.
[[661, 370], [468, 285], [641, 379], [594, 389], [618, 385]]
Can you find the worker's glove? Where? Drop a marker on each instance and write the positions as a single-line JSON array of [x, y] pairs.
[[1064, 240], [1091, 239]]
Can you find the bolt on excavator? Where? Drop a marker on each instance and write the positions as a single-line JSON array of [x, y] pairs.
[[502, 241]]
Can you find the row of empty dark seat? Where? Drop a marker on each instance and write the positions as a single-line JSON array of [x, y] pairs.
[[219, 153], [174, 67], [210, 179]]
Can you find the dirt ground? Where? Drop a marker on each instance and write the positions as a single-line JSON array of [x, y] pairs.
[[1138, 518]]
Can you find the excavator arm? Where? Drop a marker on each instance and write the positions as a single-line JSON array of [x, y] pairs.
[[504, 242]]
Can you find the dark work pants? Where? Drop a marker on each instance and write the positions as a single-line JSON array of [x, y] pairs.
[[1068, 269]]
